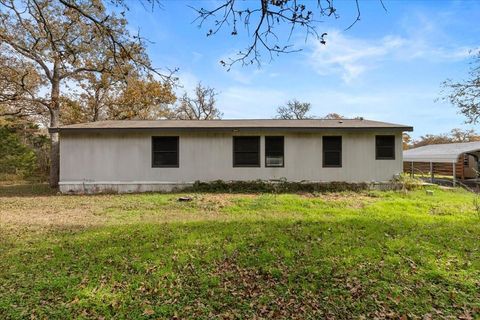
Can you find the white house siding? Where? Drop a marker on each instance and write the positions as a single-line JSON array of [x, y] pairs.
[[122, 161]]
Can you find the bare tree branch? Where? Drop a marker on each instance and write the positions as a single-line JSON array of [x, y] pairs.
[[465, 95], [117, 40], [268, 17], [358, 15]]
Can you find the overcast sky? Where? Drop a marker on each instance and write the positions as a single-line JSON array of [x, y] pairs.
[[388, 67]]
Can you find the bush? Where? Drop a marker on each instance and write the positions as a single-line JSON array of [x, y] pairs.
[[407, 182], [282, 186]]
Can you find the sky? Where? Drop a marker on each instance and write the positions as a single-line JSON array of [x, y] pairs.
[[389, 66]]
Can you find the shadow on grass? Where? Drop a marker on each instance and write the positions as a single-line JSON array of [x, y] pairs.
[[272, 269], [26, 190]]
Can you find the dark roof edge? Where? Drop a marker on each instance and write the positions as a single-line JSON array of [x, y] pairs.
[[298, 129]]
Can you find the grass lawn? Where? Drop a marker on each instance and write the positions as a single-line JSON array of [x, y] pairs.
[[337, 256]]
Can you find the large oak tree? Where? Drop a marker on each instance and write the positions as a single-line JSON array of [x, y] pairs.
[[52, 43]]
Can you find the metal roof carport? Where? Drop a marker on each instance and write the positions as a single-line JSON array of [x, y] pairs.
[[443, 153]]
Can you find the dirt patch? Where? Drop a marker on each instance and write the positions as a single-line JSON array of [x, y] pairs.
[[55, 212], [67, 212], [334, 196], [351, 200], [219, 201]]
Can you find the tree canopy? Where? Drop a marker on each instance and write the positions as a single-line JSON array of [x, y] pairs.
[[104, 98], [202, 106], [294, 110], [334, 116], [45, 45]]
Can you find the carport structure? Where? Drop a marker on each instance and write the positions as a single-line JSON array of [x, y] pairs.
[[459, 160]]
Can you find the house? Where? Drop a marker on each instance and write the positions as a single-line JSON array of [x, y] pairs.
[[136, 156], [458, 160]]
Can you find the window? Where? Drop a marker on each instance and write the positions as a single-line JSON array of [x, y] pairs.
[[164, 152], [332, 152], [274, 152], [246, 151], [385, 147]]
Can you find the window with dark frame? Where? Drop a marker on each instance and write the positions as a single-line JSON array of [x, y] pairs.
[[246, 151], [165, 152], [332, 151], [385, 147], [274, 151]]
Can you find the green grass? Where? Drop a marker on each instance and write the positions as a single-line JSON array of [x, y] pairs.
[[343, 255]]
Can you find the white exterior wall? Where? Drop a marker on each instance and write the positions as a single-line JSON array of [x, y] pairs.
[[107, 160]]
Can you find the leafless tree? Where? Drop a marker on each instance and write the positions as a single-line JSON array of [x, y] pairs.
[[294, 110], [465, 95], [201, 107], [459, 135]]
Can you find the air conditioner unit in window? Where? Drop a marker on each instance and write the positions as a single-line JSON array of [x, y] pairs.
[[274, 162]]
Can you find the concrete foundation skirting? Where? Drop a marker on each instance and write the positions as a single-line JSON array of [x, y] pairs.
[[119, 187]]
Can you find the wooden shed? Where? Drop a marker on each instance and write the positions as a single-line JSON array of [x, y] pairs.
[[458, 160]]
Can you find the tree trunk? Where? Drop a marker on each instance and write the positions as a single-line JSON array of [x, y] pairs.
[[96, 107], [54, 136]]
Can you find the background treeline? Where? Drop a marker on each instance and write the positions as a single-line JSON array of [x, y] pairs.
[[454, 136], [24, 150], [25, 142]]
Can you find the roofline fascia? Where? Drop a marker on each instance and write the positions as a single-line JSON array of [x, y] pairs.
[[207, 129]]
